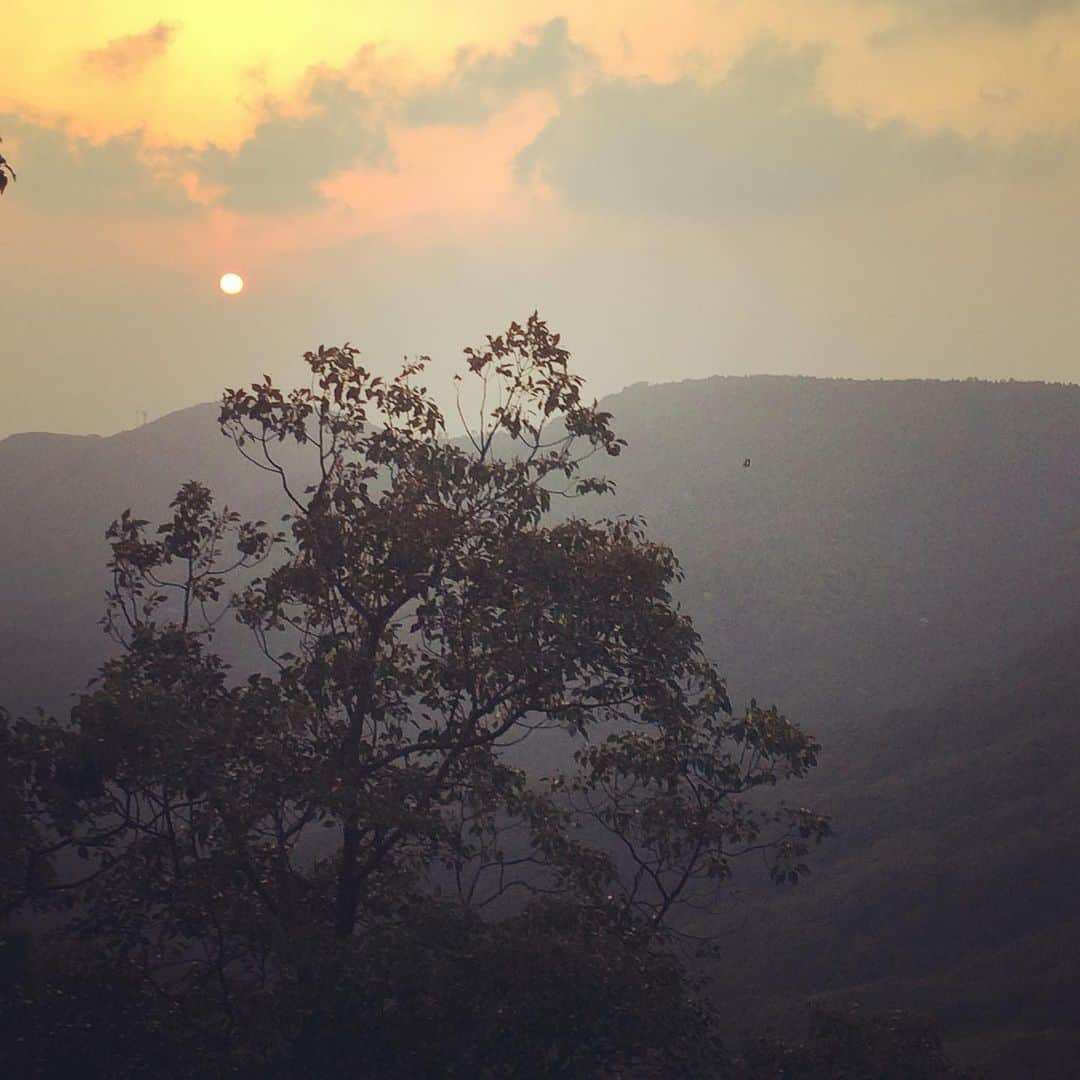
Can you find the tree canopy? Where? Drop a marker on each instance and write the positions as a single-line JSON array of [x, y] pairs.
[[343, 859]]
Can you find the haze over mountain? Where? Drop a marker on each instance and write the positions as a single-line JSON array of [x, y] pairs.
[[898, 567], [887, 539]]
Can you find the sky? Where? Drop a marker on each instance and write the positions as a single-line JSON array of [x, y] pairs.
[[686, 188]]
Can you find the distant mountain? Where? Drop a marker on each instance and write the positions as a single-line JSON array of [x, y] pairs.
[[58, 494], [898, 567], [887, 538]]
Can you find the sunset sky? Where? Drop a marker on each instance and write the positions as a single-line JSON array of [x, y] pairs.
[[858, 188]]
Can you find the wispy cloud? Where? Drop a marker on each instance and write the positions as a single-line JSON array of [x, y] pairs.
[[916, 18], [280, 166], [126, 56], [481, 83], [1013, 12]]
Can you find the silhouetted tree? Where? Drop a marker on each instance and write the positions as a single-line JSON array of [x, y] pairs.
[[335, 863]]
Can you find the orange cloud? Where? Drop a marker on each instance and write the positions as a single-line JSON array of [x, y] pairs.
[[446, 173], [446, 184]]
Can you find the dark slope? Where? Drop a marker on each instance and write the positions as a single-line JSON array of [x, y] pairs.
[[950, 887], [58, 495], [888, 537]]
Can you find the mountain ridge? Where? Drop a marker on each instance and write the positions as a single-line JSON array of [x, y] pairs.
[[889, 537]]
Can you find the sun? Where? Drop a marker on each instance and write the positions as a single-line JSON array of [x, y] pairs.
[[231, 283]]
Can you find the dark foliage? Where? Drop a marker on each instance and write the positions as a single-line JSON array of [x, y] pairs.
[[846, 1044], [332, 866]]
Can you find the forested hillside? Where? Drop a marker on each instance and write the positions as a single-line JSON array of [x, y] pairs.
[[950, 885], [887, 539], [898, 568]]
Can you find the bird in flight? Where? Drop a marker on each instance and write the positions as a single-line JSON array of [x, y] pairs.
[[746, 463]]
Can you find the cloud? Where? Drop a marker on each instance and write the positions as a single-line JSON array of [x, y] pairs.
[[126, 56], [758, 141], [919, 16], [69, 175], [1010, 11], [281, 165], [482, 83], [277, 169]]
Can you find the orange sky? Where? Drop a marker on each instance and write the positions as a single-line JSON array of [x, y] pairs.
[[205, 82], [706, 158]]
